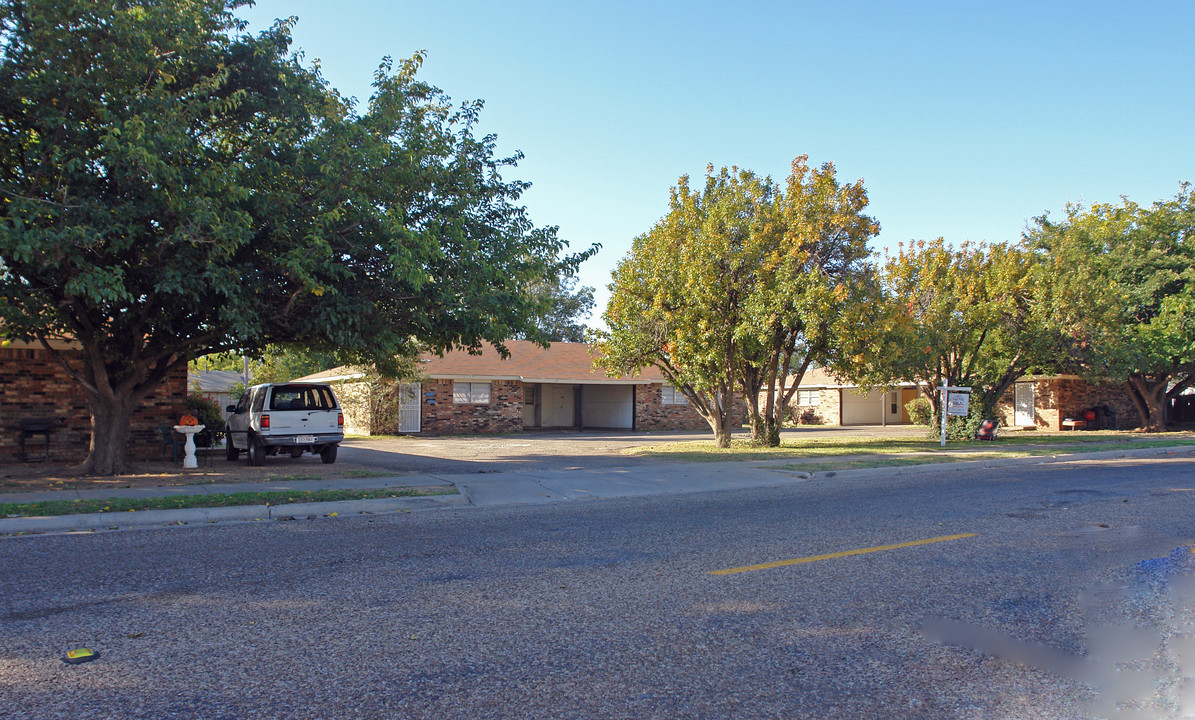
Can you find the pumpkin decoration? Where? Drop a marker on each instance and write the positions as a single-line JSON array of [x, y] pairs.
[[187, 420]]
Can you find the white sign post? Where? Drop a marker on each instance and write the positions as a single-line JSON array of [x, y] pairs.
[[955, 401]]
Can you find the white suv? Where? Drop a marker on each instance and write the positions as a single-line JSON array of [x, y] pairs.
[[294, 417]]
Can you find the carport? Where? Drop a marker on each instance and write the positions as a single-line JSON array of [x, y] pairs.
[[606, 406], [877, 407]]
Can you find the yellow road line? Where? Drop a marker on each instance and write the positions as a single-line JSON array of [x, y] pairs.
[[844, 553]]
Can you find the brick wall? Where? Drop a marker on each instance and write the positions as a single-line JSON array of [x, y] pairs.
[[1059, 398], [652, 414], [34, 385], [504, 413], [441, 416], [829, 406]]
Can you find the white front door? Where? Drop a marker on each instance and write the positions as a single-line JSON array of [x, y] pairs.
[[1023, 412], [408, 412]]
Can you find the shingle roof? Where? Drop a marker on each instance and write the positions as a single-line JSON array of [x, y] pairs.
[[569, 363], [215, 381]]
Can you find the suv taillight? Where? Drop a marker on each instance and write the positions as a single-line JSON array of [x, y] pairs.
[[340, 420], [265, 422]]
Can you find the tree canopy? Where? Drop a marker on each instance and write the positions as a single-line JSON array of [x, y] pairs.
[[563, 308], [740, 286], [171, 186], [976, 316], [1128, 274]]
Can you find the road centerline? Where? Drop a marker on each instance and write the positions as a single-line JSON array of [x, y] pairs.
[[843, 553]]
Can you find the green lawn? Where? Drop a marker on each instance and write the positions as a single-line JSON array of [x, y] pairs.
[[278, 497], [928, 450]]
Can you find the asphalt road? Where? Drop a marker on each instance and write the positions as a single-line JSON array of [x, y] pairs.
[[608, 609], [552, 450]]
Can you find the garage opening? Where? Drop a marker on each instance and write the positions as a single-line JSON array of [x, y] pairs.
[[560, 406], [860, 408], [609, 407]]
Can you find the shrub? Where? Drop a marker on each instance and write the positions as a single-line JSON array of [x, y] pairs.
[[809, 417], [920, 412], [209, 416], [961, 428]]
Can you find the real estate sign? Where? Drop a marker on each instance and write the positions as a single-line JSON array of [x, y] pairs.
[[958, 402]]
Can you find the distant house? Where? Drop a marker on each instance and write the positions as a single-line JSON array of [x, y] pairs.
[[1049, 402], [1054, 402], [216, 386], [534, 388], [34, 387], [832, 402]]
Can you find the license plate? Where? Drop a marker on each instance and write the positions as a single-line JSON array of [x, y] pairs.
[[305, 440]]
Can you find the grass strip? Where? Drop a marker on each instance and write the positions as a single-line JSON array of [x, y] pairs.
[[706, 451], [176, 502], [975, 456]]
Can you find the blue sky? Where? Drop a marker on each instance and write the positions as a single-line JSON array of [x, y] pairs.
[[964, 120]]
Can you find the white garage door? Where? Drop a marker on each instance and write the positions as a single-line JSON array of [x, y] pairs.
[[557, 406], [860, 409], [607, 406]]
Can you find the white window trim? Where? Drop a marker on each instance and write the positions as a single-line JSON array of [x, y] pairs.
[[812, 397], [471, 392], [678, 397]]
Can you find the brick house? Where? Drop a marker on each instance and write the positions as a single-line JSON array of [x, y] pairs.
[[1054, 402], [534, 388], [831, 402], [1050, 402], [33, 386]]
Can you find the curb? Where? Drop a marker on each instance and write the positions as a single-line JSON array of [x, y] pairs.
[[91, 522], [922, 468], [87, 522]]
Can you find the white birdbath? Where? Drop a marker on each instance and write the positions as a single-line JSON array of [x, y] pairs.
[[189, 460]]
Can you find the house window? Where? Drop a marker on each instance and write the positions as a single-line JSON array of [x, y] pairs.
[[672, 396], [471, 393], [808, 397]]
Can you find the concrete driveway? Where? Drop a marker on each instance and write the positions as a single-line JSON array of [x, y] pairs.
[[553, 450]]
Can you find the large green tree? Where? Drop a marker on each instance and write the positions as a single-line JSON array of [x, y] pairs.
[[741, 286], [678, 297], [813, 278], [977, 316], [1127, 273], [563, 308], [171, 186]]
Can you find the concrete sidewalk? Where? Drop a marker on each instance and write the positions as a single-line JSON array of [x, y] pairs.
[[495, 488]]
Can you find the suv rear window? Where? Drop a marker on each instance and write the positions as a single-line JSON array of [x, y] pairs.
[[301, 397]]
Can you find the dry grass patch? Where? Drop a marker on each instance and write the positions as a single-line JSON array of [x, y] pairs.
[[1011, 444], [32, 477]]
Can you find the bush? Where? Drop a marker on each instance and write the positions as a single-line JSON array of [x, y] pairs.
[[920, 412], [809, 417], [208, 414], [960, 428]]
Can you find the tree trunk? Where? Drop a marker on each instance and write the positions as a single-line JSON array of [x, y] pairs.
[[755, 416], [773, 418], [720, 424], [761, 419], [1149, 397], [714, 408], [110, 426]]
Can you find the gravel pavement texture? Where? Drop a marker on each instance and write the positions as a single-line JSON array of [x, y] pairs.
[[607, 609]]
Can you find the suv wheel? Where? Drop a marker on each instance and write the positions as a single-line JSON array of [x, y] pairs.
[[230, 451], [328, 454], [256, 451]]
